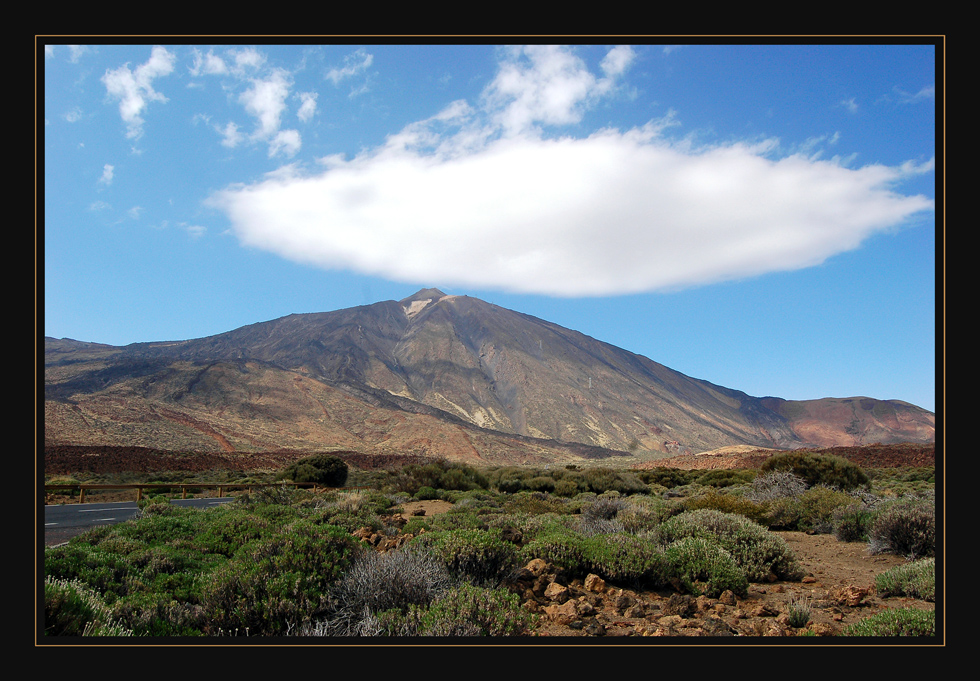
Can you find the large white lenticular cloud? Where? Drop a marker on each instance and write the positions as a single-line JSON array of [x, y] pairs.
[[610, 214], [502, 207]]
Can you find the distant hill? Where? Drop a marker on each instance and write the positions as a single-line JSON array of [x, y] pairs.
[[431, 374]]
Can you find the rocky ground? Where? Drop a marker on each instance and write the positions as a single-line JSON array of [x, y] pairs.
[[839, 586]]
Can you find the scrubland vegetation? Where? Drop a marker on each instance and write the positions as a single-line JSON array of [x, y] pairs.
[[285, 562]]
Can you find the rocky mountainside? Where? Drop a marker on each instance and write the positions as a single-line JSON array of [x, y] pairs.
[[435, 374]]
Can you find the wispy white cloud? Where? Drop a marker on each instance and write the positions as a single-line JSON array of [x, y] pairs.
[[307, 107], [480, 196], [207, 63], [926, 93], [108, 171], [549, 85], [265, 101], [850, 105], [264, 98], [354, 64], [230, 135], [76, 52], [134, 88]]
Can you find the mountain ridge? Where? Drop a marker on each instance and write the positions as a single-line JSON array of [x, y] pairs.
[[378, 376]]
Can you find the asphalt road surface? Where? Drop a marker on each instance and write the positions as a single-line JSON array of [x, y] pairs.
[[62, 522]]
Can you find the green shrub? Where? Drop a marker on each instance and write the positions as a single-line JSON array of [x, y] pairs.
[[157, 614], [667, 477], [906, 527], [465, 610], [417, 524], [322, 469], [852, 522], [641, 514], [490, 612], [916, 579], [458, 520], [896, 622], [727, 503], [703, 567], [760, 553], [601, 479], [427, 493], [280, 582], [616, 557], [625, 558], [810, 511], [540, 483], [561, 546], [480, 556], [439, 475], [726, 477], [229, 529], [567, 487], [817, 469], [73, 609], [102, 571], [534, 503]]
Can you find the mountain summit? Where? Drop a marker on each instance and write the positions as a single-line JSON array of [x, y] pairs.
[[432, 373]]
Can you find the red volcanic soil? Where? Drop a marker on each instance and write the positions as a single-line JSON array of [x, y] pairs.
[[64, 460], [866, 456]]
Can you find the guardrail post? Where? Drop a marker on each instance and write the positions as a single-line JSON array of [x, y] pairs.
[[81, 495]]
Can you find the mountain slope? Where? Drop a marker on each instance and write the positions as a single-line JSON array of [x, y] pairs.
[[428, 369]]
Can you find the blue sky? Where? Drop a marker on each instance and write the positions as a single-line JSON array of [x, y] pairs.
[[759, 216]]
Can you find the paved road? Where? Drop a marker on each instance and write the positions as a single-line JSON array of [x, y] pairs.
[[64, 521]]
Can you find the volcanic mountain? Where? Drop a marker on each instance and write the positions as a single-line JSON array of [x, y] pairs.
[[431, 374]]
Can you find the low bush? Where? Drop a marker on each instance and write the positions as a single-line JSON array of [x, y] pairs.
[[481, 557], [916, 579], [323, 469], [437, 475], [667, 477], [852, 522], [379, 582], [727, 503], [896, 622], [776, 484], [818, 469], [625, 559], [229, 530], [534, 503], [464, 610], [810, 511], [703, 567], [726, 477], [760, 553], [906, 527], [280, 582], [561, 546], [567, 482], [458, 520], [73, 609]]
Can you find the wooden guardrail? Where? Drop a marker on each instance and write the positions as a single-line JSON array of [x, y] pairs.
[[184, 486]]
